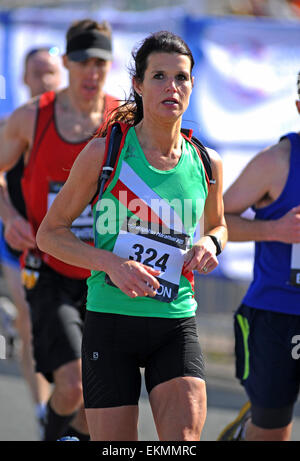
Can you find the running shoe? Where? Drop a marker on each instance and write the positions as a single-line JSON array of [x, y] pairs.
[[233, 432], [68, 438]]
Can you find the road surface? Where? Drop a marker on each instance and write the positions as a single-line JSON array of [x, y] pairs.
[[225, 397]]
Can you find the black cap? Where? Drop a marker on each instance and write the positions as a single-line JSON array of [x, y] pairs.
[[89, 44]]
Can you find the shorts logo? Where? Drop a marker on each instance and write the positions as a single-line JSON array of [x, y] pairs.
[[95, 356]]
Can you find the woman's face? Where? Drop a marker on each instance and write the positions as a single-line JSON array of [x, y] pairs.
[[167, 85]]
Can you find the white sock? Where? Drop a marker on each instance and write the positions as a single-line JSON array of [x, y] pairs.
[[40, 410]]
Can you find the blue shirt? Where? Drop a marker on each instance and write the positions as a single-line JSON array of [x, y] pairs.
[[271, 288]]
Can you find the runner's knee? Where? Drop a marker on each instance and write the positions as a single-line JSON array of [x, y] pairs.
[[68, 385], [271, 418], [71, 393]]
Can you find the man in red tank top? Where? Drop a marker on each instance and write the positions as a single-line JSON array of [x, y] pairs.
[[52, 129], [42, 72]]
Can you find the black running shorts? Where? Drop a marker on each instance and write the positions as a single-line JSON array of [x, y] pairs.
[[115, 346], [57, 305], [267, 364]]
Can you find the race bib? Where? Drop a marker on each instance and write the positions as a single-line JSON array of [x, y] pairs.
[[82, 227], [295, 265], [158, 249]]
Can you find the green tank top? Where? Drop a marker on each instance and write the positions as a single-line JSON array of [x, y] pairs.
[[151, 216]]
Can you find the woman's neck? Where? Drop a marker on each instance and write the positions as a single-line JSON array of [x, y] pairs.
[[161, 147], [164, 140]]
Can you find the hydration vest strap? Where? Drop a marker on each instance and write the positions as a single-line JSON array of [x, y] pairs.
[[202, 152], [115, 139]]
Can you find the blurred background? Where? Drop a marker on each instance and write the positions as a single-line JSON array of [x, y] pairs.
[[247, 55]]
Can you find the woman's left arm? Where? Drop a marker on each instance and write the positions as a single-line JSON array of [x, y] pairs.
[[203, 255]]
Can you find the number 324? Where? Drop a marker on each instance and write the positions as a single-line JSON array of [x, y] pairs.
[[149, 255]]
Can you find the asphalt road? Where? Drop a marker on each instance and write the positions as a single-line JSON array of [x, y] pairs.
[[225, 397]]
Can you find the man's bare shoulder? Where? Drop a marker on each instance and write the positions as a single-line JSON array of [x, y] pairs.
[[29, 109], [275, 156], [271, 156], [22, 120], [281, 147], [269, 171]]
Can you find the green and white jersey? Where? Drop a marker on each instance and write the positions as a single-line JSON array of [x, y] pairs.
[[151, 216]]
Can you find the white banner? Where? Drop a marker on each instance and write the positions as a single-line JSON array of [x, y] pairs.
[[243, 99], [245, 79], [29, 28]]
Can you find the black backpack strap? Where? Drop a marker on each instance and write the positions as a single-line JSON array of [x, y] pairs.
[[112, 153], [115, 135], [203, 153]]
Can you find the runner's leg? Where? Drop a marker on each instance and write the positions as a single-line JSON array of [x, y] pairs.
[[113, 424], [65, 400], [38, 385], [255, 433], [179, 408]]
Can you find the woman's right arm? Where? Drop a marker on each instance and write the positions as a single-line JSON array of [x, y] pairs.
[[56, 238], [54, 235]]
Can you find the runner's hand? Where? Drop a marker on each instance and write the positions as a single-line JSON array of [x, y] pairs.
[[201, 257], [133, 278], [18, 234], [287, 228]]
